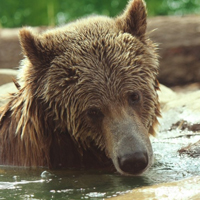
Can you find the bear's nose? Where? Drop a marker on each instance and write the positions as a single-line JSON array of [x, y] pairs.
[[133, 163]]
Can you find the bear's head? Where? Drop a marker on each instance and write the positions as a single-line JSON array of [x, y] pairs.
[[98, 77]]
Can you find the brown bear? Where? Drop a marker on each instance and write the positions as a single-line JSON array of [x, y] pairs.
[[86, 96]]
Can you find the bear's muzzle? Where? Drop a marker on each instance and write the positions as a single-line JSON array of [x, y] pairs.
[[128, 145]]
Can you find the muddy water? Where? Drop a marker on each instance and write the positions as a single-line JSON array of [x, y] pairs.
[[24, 183]]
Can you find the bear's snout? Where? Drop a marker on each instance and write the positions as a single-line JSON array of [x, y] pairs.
[[133, 163], [128, 144]]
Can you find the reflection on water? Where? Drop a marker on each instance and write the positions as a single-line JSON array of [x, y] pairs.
[[24, 183], [27, 183]]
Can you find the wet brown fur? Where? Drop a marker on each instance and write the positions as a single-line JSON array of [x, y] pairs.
[[93, 62]]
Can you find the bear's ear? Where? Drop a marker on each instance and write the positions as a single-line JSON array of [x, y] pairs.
[[133, 19], [35, 48]]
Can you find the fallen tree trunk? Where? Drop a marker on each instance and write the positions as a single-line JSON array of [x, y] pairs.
[[179, 48]]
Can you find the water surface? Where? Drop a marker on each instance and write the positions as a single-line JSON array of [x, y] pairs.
[[26, 183], [40, 183]]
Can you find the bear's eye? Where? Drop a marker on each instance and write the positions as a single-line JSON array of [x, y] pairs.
[[94, 113], [134, 98]]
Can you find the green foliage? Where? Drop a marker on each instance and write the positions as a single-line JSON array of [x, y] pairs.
[[17, 13]]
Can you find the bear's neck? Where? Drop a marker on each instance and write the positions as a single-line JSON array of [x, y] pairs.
[[30, 137]]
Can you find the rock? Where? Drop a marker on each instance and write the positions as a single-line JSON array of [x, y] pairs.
[[166, 95], [181, 113], [186, 88], [7, 75], [5, 90], [185, 106], [6, 84], [185, 189]]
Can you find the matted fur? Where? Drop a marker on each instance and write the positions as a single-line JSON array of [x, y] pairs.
[[93, 62]]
